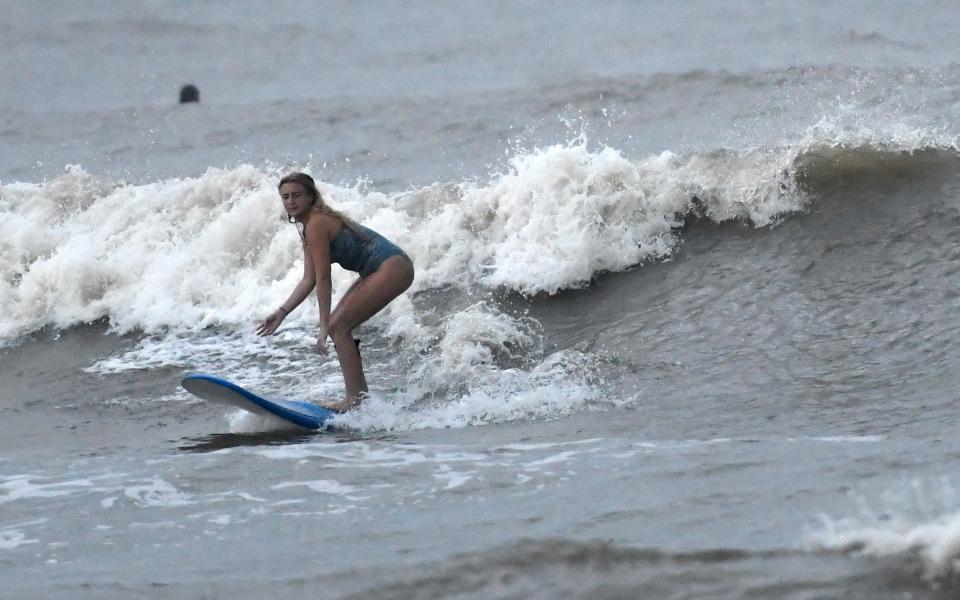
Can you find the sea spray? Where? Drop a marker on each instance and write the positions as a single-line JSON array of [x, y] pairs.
[[920, 520]]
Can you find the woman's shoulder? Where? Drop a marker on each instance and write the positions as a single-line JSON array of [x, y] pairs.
[[324, 225]]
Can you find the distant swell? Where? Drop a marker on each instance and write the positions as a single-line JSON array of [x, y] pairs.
[[525, 569]]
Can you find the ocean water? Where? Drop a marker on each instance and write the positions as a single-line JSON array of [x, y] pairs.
[[682, 327]]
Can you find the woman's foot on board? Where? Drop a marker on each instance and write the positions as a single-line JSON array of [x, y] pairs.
[[345, 404]]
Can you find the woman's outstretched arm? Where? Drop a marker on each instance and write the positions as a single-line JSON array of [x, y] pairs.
[[306, 284]]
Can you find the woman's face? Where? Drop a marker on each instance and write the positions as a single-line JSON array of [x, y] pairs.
[[295, 198]]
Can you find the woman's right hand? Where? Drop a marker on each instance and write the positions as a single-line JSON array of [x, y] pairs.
[[270, 324]]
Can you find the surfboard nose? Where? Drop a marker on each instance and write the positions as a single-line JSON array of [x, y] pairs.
[[216, 389]]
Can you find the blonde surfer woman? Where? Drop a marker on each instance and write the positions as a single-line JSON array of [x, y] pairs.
[[331, 237]]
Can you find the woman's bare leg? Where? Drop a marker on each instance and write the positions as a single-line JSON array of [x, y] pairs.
[[364, 299]]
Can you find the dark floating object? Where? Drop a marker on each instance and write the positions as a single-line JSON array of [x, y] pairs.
[[189, 93]]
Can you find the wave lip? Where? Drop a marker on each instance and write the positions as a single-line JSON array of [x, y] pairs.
[[563, 214]]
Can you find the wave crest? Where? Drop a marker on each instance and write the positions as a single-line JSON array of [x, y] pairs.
[[213, 250]]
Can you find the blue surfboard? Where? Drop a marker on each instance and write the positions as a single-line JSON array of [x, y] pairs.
[[215, 389]]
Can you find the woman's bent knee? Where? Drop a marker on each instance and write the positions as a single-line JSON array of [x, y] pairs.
[[338, 332]]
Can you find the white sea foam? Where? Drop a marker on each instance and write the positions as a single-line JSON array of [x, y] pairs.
[[321, 486], [369, 454], [221, 519], [24, 487], [517, 395], [848, 439], [241, 421], [14, 538], [546, 445], [157, 492], [920, 522], [453, 479], [440, 469]]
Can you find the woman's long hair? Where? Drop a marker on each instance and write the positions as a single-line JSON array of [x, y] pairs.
[[316, 199]]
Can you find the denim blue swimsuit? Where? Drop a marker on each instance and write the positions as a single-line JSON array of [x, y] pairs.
[[362, 255]]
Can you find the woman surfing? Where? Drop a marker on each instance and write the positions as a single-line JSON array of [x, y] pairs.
[[331, 237]]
